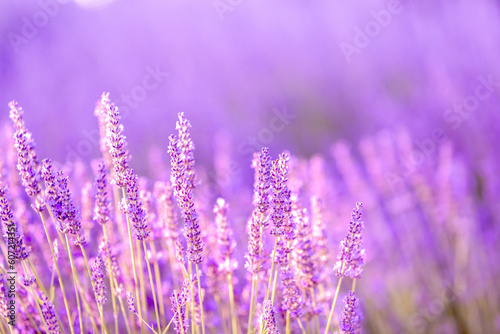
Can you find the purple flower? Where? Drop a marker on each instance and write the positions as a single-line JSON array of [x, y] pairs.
[[182, 178], [256, 255], [4, 302], [351, 316], [135, 207], [102, 209], [224, 238], [101, 111], [262, 165], [117, 145], [69, 215], [268, 319], [291, 294], [318, 235], [97, 269], [26, 165], [12, 233], [304, 251], [130, 302], [179, 301], [18, 121], [281, 203], [166, 210], [49, 314], [111, 263], [351, 256]]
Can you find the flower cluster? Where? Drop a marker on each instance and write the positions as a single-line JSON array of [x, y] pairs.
[[351, 256], [183, 180], [98, 279]]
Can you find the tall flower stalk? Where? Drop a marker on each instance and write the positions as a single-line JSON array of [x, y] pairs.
[[226, 245], [125, 178], [351, 257], [183, 179], [255, 256], [27, 164]]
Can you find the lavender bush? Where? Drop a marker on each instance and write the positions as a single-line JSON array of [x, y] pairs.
[[130, 254]]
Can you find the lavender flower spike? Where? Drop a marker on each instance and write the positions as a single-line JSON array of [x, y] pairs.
[[179, 301], [98, 278], [11, 228], [26, 165], [16, 115], [130, 302], [262, 165], [49, 314], [351, 256], [281, 203], [268, 319], [256, 255], [351, 317], [182, 178], [291, 294], [117, 145], [135, 207], [102, 210], [224, 238]]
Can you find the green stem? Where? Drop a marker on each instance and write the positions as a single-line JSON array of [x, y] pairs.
[[334, 300], [152, 286], [99, 306], [66, 305], [133, 263], [111, 279], [158, 280], [35, 298], [231, 304], [288, 328], [200, 299], [74, 283]]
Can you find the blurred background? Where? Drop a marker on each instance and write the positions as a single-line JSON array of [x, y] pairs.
[[335, 78], [228, 65]]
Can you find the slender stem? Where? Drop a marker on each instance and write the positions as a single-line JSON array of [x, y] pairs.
[[158, 280], [133, 263], [142, 283], [111, 279], [59, 276], [353, 285], [99, 306], [334, 300], [301, 326], [74, 283], [181, 323], [313, 298], [192, 299], [288, 328], [40, 285], [222, 313], [124, 314], [272, 267], [231, 303], [33, 323], [152, 286], [35, 299], [255, 285], [168, 326], [275, 280], [201, 301]]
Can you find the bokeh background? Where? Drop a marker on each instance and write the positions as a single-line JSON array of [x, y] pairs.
[[230, 66], [233, 66]]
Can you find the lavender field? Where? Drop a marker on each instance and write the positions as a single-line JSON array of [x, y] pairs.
[[250, 167]]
